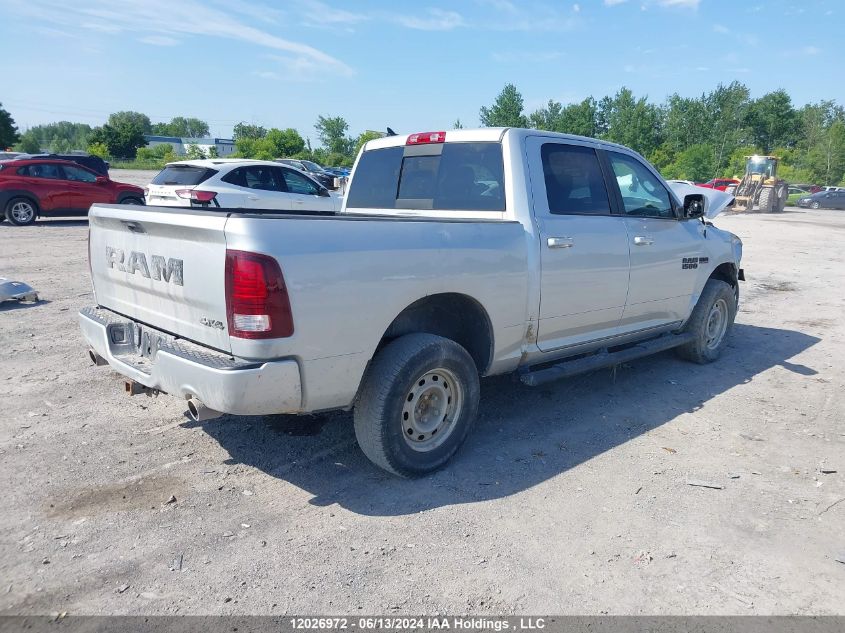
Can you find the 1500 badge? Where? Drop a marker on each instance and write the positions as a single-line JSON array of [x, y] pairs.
[[691, 263]]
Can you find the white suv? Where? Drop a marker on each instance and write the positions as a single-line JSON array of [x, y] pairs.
[[255, 184]]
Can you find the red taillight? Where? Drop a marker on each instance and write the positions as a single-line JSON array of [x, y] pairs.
[[426, 137], [257, 303], [196, 196]]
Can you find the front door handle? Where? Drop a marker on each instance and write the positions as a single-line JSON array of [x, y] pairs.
[[643, 240], [253, 198], [560, 242]]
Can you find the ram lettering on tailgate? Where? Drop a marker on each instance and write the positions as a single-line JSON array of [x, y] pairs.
[[169, 270]]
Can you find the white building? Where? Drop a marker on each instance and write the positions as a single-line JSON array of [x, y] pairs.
[[225, 146]]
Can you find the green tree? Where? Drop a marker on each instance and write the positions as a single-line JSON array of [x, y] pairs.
[[245, 130], [506, 110], [630, 121], [194, 152], [100, 149], [126, 118], [62, 136], [772, 121], [332, 134], [285, 142], [123, 135], [695, 163], [364, 137], [548, 118], [182, 127], [8, 130], [29, 143], [457, 125]]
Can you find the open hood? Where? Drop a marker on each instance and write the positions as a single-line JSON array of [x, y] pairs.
[[715, 201]]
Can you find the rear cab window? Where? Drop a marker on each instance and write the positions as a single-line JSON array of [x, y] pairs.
[[456, 176], [189, 175]]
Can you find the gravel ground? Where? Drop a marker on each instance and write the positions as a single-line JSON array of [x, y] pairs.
[[571, 498], [140, 177]]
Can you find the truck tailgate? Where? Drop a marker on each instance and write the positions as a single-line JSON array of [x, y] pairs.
[[162, 268]]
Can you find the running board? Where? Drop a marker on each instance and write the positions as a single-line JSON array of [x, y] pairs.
[[603, 358]]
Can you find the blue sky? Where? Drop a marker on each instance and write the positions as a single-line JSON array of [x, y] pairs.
[[411, 65]]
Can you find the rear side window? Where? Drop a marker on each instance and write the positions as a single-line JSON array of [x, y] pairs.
[[261, 177], [45, 170], [574, 182], [183, 175], [463, 177]]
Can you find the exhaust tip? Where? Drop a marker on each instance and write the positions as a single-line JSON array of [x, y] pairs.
[[96, 359], [192, 411], [198, 412]]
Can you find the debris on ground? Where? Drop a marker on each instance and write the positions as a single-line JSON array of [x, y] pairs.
[[704, 484], [17, 291], [122, 588]]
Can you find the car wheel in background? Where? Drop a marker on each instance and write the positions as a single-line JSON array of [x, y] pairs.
[[417, 403], [21, 211], [815, 205], [131, 200]]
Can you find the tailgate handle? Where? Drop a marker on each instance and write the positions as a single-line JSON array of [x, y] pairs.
[[134, 227]]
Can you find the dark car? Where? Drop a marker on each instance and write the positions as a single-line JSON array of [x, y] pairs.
[[317, 172], [94, 163], [824, 200], [33, 187]]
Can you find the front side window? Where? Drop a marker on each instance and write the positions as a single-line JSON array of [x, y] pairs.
[[297, 183], [574, 182], [642, 193], [41, 170], [77, 174]]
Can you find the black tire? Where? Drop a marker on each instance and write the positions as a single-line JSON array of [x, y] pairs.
[[401, 395], [132, 200], [767, 200], [706, 347], [21, 211], [815, 205]]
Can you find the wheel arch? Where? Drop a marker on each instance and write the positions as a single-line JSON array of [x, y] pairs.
[[727, 272], [455, 316], [10, 194]]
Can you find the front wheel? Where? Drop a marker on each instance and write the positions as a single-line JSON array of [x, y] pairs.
[[417, 403], [710, 322], [21, 212], [815, 205]]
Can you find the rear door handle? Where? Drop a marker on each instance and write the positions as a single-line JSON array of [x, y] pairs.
[[560, 242], [253, 198], [643, 240]]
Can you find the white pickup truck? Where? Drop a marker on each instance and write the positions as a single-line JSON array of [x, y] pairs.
[[456, 255]]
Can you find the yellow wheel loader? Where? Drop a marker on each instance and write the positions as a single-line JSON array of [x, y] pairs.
[[760, 187]]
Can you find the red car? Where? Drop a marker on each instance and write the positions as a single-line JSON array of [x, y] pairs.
[[719, 183], [34, 187]]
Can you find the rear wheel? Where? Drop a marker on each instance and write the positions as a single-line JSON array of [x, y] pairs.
[[417, 403], [21, 211], [710, 322], [131, 200]]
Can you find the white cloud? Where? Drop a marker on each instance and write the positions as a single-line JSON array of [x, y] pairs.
[[721, 28], [811, 50], [613, 3], [168, 19], [434, 20], [159, 40], [576, 8], [686, 4]]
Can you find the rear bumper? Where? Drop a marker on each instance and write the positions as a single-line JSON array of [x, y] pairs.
[[185, 369]]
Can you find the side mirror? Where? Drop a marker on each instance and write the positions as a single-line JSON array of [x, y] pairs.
[[693, 205], [101, 180]]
